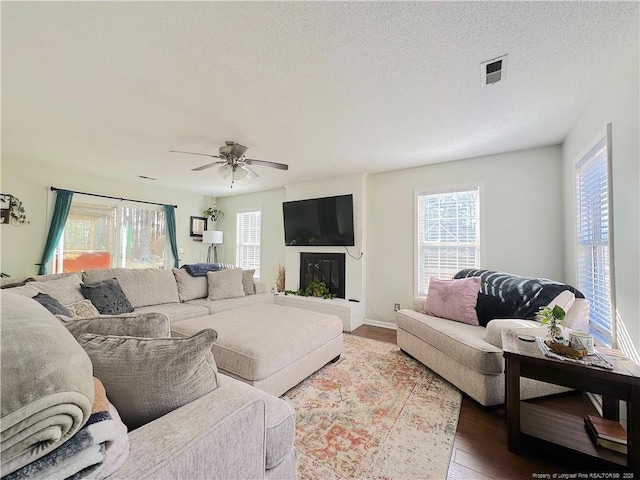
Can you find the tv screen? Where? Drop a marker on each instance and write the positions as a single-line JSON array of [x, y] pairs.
[[319, 222]]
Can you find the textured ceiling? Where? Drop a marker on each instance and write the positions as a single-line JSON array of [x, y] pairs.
[[329, 88]]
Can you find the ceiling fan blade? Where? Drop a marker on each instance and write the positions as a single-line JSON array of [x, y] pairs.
[[208, 165], [194, 153], [250, 173], [264, 163]]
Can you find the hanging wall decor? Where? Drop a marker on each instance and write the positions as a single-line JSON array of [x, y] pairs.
[[12, 212]]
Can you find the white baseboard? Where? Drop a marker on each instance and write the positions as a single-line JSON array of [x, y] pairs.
[[379, 323]]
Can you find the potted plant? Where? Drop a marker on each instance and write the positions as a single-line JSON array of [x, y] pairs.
[[553, 317], [16, 212], [314, 289], [214, 213]]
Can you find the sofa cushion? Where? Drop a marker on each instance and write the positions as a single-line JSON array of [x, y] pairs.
[[175, 312], [225, 283], [142, 286], [453, 299], [217, 306], [27, 290], [256, 341], [465, 343], [107, 296], [149, 377], [148, 325], [51, 304], [495, 328], [82, 309], [190, 288], [64, 289]]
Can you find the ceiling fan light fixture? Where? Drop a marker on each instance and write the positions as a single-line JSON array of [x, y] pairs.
[[239, 173], [225, 170]]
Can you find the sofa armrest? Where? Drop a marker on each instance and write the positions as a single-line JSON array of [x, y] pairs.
[[578, 315], [220, 435], [495, 328], [418, 303], [261, 287]]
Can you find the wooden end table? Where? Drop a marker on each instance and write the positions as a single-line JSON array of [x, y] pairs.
[[524, 359]]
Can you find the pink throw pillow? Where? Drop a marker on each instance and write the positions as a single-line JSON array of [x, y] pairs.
[[453, 299]]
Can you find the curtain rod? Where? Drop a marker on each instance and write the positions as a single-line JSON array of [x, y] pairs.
[[53, 189]]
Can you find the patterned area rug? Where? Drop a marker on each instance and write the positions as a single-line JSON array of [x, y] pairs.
[[374, 414]]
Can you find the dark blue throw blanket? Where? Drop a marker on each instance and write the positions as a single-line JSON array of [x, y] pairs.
[[503, 295], [201, 269]]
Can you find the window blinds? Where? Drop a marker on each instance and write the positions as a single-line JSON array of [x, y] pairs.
[[248, 241], [448, 236], [593, 238]]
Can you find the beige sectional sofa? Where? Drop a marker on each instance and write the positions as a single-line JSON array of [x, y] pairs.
[[237, 430], [471, 357]]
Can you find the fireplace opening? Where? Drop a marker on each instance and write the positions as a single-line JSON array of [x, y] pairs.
[[323, 267]]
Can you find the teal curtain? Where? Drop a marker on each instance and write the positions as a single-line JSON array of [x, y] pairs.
[[60, 214], [170, 216]]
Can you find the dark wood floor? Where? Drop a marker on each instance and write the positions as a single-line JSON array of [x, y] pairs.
[[480, 449]]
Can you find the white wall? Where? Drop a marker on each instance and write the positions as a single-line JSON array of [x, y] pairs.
[[273, 250], [354, 267], [617, 103], [520, 220], [22, 246]]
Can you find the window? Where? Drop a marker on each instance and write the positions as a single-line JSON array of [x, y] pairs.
[[593, 249], [248, 240], [448, 236], [106, 236]]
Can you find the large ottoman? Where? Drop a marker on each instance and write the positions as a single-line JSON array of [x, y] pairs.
[[269, 346]]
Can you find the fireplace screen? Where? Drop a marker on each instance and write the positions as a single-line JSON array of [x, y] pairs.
[[323, 267]]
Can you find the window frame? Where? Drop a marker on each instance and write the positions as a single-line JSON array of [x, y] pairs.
[[600, 336], [239, 243], [478, 187], [52, 265]]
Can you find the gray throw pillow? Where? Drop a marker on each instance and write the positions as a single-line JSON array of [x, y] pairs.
[[190, 288], [65, 289], [149, 377], [247, 282], [148, 325], [225, 284], [107, 296], [51, 304]]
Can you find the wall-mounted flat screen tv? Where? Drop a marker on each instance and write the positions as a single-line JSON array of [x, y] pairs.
[[326, 221]]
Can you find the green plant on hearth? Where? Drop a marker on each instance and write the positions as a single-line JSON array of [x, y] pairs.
[[314, 289], [214, 213], [553, 317]]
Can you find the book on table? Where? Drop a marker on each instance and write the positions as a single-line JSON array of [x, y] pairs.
[[606, 433]]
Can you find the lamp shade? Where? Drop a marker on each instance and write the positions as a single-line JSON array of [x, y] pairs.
[[212, 236]]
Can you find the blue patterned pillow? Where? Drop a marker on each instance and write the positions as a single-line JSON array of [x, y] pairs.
[[107, 296]]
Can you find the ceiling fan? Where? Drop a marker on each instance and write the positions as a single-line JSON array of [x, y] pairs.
[[233, 162]]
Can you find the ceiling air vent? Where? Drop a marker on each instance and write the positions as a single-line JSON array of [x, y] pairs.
[[494, 71]]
